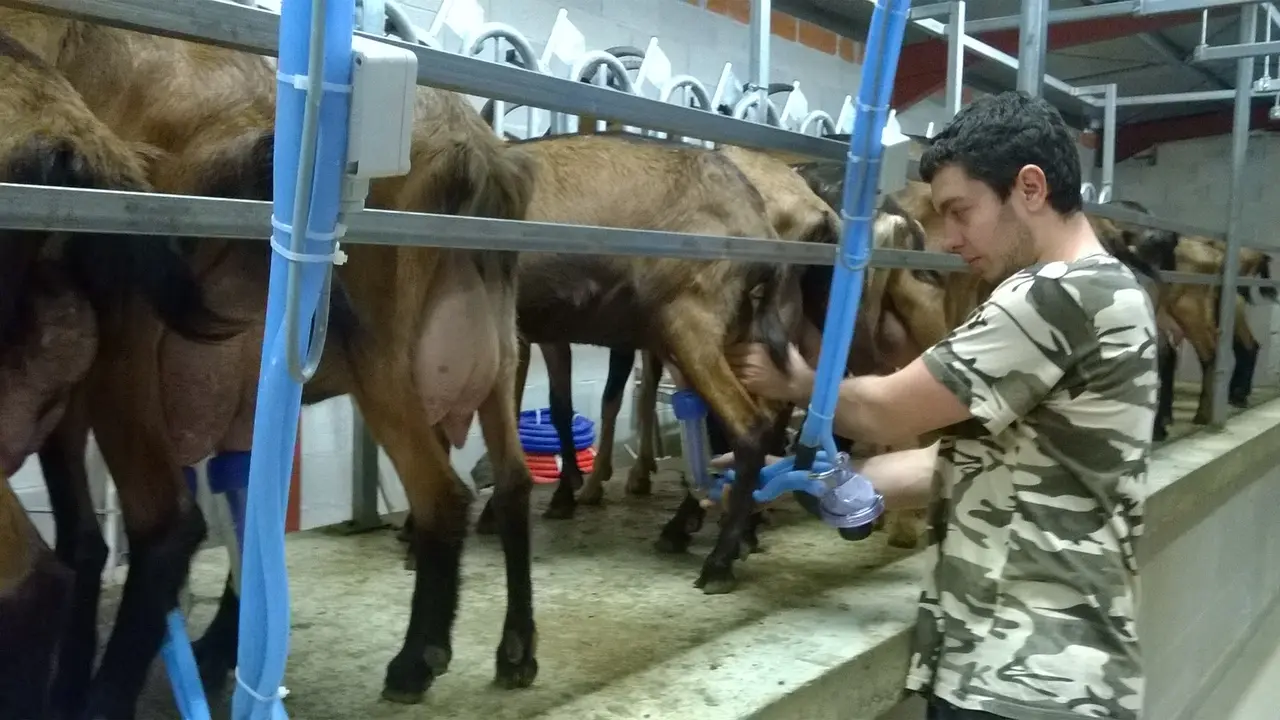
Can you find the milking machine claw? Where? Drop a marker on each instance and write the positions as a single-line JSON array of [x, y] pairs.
[[833, 493]]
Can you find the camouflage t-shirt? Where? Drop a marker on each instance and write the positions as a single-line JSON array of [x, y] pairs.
[[1028, 610]]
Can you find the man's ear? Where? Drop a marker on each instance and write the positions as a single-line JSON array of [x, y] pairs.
[[1032, 187]]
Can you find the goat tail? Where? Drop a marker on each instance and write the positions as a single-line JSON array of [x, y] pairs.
[[498, 179], [111, 269], [1124, 254]]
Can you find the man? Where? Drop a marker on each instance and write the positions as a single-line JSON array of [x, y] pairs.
[[1045, 397]]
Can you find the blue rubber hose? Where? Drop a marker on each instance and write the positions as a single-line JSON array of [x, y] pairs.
[[312, 108], [862, 174], [537, 436], [184, 674], [822, 479]]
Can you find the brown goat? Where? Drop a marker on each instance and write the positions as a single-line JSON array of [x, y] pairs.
[[1193, 309], [210, 113], [57, 291], [686, 310]]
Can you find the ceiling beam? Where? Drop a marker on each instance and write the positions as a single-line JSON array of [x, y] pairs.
[[1172, 54], [923, 71], [1133, 138]]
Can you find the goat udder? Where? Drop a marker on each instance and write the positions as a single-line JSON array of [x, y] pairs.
[[456, 363]]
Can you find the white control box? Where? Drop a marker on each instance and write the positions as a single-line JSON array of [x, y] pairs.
[[895, 158], [384, 81]]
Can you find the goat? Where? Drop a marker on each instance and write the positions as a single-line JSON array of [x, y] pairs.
[[59, 295], [442, 350]]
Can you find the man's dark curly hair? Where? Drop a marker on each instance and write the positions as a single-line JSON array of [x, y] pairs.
[[993, 138]]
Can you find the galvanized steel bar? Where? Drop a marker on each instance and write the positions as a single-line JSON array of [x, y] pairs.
[[990, 52], [1231, 264], [955, 58], [32, 207], [364, 447], [1208, 53], [253, 30], [759, 62], [1159, 7], [920, 12], [1033, 25], [1086, 12], [1108, 146], [1122, 214]]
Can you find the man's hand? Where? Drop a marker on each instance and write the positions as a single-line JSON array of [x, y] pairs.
[[756, 371]]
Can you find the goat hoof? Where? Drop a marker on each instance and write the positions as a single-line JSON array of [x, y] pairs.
[[638, 483], [600, 474], [559, 512], [516, 665], [716, 580], [410, 675], [672, 544], [592, 493], [1200, 419], [410, 561]]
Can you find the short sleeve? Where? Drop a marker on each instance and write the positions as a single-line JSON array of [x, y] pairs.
[[1013, 349]]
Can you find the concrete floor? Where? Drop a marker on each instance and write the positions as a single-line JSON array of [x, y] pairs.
[[606, 603]]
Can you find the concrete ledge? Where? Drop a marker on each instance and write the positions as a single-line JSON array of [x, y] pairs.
[[846, 656]]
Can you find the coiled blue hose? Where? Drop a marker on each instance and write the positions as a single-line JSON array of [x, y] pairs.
[[537, 436]]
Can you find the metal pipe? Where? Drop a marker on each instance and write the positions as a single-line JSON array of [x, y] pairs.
[[1251, 49], [251, 30], [1033, 26], [920, 12], [1086, 12], [937, 29], [955, 58], [1108, 145], [1231, 264], [1159, 7], [761, 15]]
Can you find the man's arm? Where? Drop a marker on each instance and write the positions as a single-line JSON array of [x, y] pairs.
[[904, 478], [996, 367]]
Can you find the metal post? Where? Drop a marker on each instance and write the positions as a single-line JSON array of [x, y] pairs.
[[1235, 208], [1032, 31], [761, 13], [364, 449], [955, 59], [1108, 145], [364, 478]]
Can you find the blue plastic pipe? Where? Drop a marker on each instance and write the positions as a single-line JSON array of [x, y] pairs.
[[862, 176], [264, 589], [184, 675]]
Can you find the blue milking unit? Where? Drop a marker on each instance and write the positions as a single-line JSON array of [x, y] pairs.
[[877, 163], [344, 114]]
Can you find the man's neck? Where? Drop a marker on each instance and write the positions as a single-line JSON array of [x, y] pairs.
[[1065, 240]]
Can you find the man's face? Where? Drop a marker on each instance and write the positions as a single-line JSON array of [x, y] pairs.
[[990, 235]]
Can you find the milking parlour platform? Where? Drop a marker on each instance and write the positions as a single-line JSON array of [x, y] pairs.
[[622, 631]]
